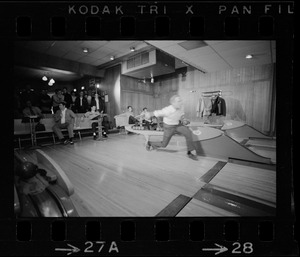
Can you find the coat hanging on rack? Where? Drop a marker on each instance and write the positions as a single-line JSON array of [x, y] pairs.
[[218, 106], [211, 102], [204, 106]]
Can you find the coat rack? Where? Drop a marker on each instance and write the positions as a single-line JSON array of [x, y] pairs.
[[212, 93]]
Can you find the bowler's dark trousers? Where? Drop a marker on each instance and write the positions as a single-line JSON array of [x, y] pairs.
[[170, 130]]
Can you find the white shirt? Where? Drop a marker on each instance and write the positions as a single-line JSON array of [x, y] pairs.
[[89, 99], [63, 116], [171, 115], [97, 103]]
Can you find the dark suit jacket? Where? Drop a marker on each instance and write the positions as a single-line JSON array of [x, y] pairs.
[[68, 99], [101, 104], [219, 106], [81, 108]]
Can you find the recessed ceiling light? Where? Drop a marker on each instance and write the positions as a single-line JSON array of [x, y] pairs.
[[112, 58], [249, 56], [85, 50], [132, 49], [44, 78]]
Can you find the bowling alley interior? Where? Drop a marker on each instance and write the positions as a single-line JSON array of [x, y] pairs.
[[90, 118]]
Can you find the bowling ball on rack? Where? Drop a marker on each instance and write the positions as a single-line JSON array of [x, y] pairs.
[[26, 170]]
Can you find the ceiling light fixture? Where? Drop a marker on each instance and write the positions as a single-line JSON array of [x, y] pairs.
[[152, 80], [50, 84], [249, 56], [132, 49], [85, 50], [44, 78], [112, 58], [52, 81]]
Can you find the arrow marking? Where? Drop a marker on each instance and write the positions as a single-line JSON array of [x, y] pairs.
[[72, 250], [219, 250]]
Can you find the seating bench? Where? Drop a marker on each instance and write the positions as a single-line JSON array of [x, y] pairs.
[[22, 130]]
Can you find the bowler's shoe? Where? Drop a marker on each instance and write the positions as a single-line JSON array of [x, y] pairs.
[[192, 156], [148, 146]]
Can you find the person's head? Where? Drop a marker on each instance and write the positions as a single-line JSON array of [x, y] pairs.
[[58, 91], [129, 108], [65, 90], [176, 101], [28, 103], [62, 105], [73, 93], [145, 109], [93, 108], [81, 93]]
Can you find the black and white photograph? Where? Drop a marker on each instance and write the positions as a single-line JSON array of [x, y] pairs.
[[149, 128]]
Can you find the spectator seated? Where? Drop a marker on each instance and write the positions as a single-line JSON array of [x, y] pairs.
[[22, 130]]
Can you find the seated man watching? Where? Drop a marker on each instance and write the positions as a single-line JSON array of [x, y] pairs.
[[130, 115], [145, 122], [93, 114], [30, 110], [64, 118]]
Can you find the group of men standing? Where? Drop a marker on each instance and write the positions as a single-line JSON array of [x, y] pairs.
[[64, 107]]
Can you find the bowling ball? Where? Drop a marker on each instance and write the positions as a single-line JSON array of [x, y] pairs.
[[185, 122], [26, 170]]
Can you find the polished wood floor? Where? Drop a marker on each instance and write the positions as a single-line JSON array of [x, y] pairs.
[[118, 177]]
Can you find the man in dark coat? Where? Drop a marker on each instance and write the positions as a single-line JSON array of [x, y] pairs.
[[81, 103]]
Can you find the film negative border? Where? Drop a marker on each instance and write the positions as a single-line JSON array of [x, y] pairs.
[[162, 21], [140, 236]]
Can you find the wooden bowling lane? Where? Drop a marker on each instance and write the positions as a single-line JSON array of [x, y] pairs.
[[233, 189], [196, 208], [252, 183], [250, 192], [118, 177]]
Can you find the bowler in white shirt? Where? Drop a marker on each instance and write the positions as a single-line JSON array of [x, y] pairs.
[[173, 123]]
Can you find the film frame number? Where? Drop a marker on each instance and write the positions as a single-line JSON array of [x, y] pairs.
[[247, 248], [89, 246]]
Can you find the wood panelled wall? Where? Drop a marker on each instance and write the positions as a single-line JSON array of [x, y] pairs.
[[247, 92], [136, 94], [110, 84]]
